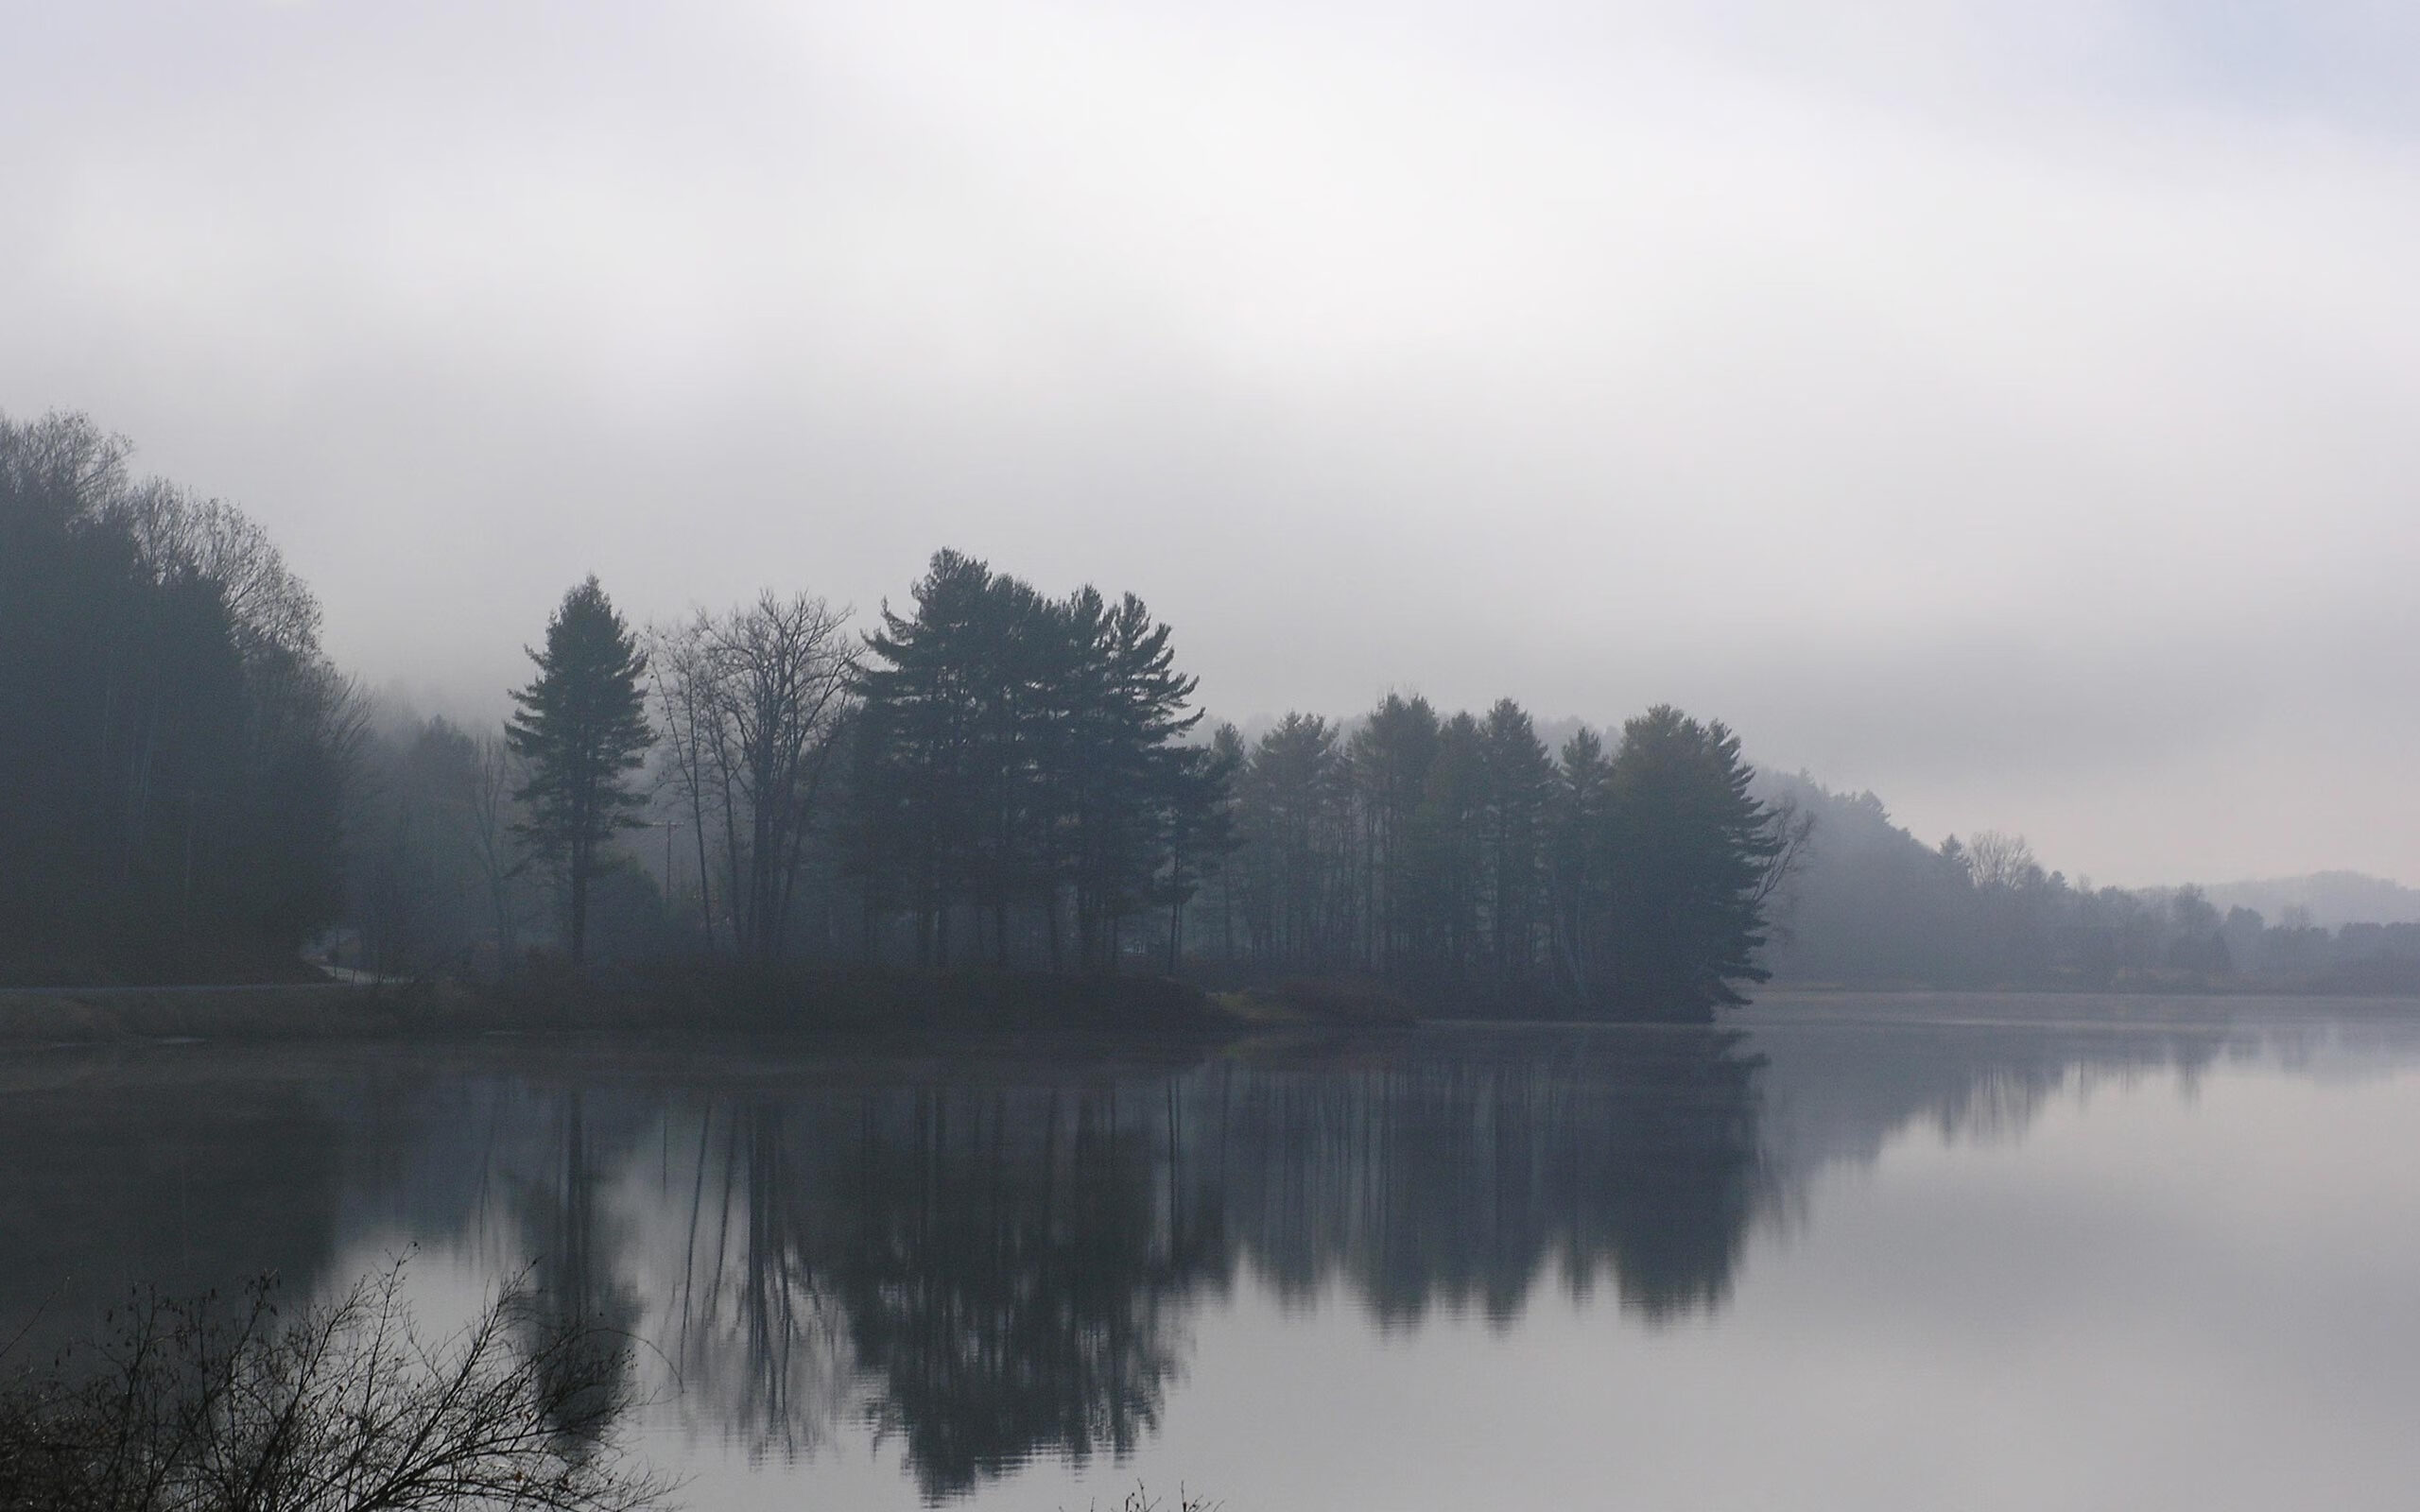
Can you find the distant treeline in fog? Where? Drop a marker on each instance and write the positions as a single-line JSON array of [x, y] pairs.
[[1873, 905], [991, 777]]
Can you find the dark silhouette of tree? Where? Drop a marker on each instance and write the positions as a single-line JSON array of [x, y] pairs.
[[1020, 767], [1459, 861], [1581, 863], [753, 704], [176, 750], [1390, 755], [1201, 832], [1692, 847], [581, 726], [1452, 851], [1519, 778], [1294, 817]]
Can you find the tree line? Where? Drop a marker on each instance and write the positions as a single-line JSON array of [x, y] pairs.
[[174, 752], [986, 775], [994, 776], [1457, 855], [1874, 905]]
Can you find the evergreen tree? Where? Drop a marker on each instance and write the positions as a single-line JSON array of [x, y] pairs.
[[1519, 777], [1140, 775], [1294, 817], [581, 726], [1390, 755], [1021, 758], [1581, 862], [913, 751], [1692, 853], [1451, 849]]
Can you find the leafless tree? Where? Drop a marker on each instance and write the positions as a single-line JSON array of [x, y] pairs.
[[1999, 861], [272, 608], [1792, 829], [191, 1406], [689, 722], [753, 704]]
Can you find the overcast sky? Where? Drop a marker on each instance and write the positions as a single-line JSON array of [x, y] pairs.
[[2014, 408]]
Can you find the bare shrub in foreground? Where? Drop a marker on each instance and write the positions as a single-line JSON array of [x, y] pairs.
[[194, 1405]]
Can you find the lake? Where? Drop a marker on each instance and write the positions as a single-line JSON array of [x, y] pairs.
[[1842, 1252]]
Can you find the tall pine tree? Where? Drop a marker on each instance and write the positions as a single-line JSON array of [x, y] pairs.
[[1691, 847], [581, 726]]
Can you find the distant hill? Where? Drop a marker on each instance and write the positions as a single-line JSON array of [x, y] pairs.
[[2335, 898]]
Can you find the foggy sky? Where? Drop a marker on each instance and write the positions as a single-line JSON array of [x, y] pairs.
[[2009, 407]]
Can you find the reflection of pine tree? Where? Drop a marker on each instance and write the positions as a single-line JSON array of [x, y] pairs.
[[577, 1291], [1453, 1175], [1007, 1274]]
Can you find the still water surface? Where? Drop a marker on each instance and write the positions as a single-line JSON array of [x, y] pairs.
[[1846, 1253]]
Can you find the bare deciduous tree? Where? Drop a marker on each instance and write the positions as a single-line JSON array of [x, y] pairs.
[[689, 716], [272, 608], [2000, 862], [346, 1407], [752, 702]]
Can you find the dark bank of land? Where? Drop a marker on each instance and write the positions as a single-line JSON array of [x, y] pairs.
[[840, 1002], [868, 1005]]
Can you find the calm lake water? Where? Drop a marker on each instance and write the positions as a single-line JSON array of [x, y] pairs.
[[1850, 1253]]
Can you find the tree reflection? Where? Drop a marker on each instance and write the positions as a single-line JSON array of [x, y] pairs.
[[577, 1290], [756, 1332], [1007, 1269], [1452, 1176], [985, 1259], [1003, 1267]]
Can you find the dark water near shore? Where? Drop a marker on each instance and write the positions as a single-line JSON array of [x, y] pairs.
[[1844, 1253]]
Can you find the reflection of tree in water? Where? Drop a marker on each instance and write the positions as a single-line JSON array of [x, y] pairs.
[[1454, 1172], [576, 1289], [754, 1332], [1003, 1267], [991, 1269], [992, 1261], [1008, 1266], [1840, 1090]]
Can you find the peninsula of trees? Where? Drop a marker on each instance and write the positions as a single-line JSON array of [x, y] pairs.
[[985, 778], [1002, 779], [989, 777]]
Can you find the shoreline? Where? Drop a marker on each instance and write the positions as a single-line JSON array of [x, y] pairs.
[[850, 1005], [855, 1006]]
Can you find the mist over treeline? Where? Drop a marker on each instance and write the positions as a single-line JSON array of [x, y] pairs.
[[985, 776], [1874, 905]]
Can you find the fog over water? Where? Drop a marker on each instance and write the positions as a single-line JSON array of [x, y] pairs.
[[2002, 407]]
